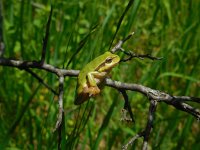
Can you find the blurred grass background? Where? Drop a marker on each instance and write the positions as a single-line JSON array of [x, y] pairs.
[[28, 111]]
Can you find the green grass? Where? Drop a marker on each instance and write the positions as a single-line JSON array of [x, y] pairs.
[[28, 111]]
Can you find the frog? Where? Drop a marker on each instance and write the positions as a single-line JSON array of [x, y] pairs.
[[93, 74]]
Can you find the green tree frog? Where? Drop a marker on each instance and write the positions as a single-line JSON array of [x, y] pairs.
[[93, 74]]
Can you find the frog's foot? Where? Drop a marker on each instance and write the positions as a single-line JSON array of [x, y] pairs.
[[92, 91]]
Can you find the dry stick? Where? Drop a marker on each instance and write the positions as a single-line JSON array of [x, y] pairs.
[[187, 98], [149, 126], [185, 107], [153, 94], [159, 96], [33, 64], [60, 102], [132, 55]]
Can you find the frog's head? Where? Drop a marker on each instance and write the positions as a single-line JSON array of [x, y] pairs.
[[109, 60]]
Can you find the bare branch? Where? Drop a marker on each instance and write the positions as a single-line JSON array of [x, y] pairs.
[[187, 98], [34, 64], [148, 92], [185, 107], [159, 96]]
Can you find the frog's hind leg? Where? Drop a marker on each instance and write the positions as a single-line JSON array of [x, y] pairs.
[[92, 90]]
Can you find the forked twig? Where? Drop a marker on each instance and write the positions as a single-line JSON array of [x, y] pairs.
[[146, 133], [140, 56], [130, 54]]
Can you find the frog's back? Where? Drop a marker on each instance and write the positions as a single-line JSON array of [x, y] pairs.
[[90, 67]]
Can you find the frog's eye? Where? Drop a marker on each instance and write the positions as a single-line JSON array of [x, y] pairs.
[[108, 60]]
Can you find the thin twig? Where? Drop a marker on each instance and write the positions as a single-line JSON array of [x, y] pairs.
[[131, 55], [149, 126], [140, 56], [118, 46], [121, 19], [41, 81], [81, 44], [45, 40], [130, 142]]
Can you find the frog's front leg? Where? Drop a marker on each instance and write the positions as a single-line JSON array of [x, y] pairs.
[[93, 79]]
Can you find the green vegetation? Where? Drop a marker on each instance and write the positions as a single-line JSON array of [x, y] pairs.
[[28, 110]]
